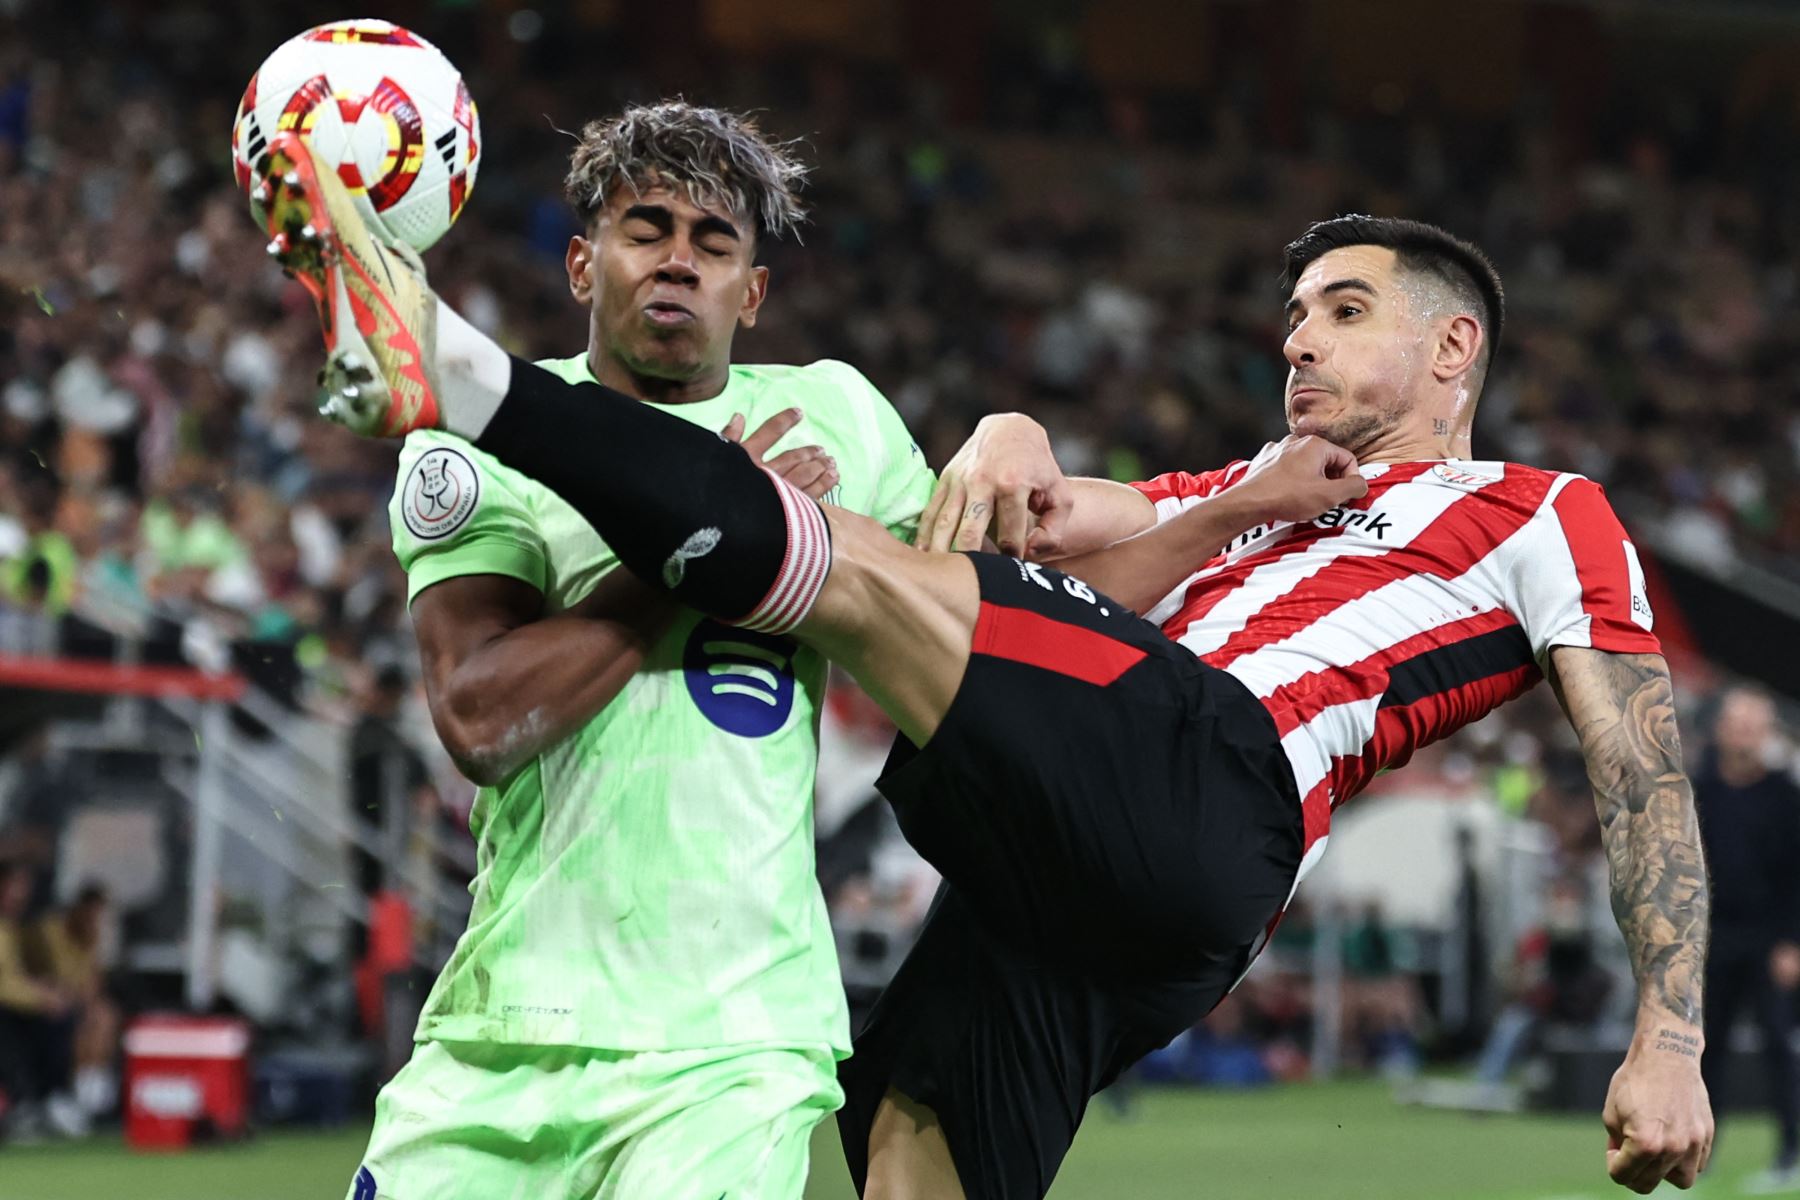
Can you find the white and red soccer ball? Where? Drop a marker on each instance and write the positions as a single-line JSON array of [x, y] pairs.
[[384, 107]]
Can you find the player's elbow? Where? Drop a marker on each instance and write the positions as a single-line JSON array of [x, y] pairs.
[[473, 755], [480, 775], [478, 767], [486, 743]]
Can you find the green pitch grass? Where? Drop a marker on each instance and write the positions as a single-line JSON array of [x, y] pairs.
[[1340, 1141]]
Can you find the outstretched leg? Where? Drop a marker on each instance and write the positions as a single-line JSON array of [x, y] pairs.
[[693, 513], [681, 507]]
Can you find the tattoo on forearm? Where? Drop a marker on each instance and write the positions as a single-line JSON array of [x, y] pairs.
[[1647, 822], [1684, 1044]]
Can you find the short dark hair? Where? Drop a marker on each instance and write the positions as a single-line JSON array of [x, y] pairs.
[[1418, 247]]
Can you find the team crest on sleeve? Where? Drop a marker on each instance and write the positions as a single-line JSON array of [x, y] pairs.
[[1466, 475], [440, 493]]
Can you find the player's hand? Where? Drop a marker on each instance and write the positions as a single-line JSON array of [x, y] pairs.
[[1659, 1122], [1299, 478], [1004, 478], [808, 468], [1784, 966]]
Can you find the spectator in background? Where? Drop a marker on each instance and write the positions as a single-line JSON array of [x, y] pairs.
[[37, 1026], [1381, 998], [392, 801], [1558, 980], [1750, 828], [385, 774], [42, 576], [35, 790], [67, 951]]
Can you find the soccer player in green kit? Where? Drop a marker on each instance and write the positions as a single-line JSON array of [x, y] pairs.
[[646, 1004]]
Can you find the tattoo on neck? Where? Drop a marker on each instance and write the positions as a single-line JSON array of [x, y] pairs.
[[1684, 1044], [1440, 426]]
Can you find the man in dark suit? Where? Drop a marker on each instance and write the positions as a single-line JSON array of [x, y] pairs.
[[1750, 826]]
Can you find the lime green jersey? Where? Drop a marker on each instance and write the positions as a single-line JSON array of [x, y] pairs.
[[648, 883]]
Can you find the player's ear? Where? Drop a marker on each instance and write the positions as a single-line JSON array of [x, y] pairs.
[[1458, 346], [580, 263], [753, 296]]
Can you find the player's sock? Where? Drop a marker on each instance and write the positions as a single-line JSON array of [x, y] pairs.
[[472, 374], [678, 504]]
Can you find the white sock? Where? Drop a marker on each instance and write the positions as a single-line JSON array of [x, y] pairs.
[[95, 1089], [473, 374]]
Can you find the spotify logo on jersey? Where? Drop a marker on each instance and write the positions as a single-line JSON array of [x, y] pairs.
[[743, 682]]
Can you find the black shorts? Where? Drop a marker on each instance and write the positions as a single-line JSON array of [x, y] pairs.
[[1116, 825]]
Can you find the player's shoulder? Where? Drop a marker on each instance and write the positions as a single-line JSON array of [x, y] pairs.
[[1557, 491], [573, 369], [439, 446], [443, 481], [1193, 484], [828, 374], [1220, 478], [1493, 479]]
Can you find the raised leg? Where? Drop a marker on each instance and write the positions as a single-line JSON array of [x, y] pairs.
[[909, 1158], [898, 619], [690, 512], [682, 508]]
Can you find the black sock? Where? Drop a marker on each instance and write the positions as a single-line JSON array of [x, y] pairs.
[[682, 508]]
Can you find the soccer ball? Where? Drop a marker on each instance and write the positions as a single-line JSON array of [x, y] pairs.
[[384, 107]]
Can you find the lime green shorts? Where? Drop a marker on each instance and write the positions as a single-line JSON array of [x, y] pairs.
[[507, 1122]]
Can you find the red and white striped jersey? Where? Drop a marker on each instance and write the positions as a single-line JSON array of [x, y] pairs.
[[1393, 621]]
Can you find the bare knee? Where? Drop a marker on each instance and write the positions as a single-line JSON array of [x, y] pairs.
[[909, 1157], [898, 619]]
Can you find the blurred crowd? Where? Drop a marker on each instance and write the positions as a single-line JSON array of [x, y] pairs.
[[1103, 257]]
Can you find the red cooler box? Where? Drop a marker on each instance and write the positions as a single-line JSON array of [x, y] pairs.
[[187, 1079]]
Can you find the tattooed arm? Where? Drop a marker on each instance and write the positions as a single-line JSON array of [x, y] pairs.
[[1624, 711], [1622, 707]]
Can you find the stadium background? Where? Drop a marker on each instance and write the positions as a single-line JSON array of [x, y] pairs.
[[208, 697]]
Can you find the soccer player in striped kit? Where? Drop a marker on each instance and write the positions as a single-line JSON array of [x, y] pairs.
[[1121, 810]]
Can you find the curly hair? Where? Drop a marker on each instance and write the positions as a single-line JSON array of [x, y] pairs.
[[717, 156]]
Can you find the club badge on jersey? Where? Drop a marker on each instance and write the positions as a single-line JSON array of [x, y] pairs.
[[1468, 476]]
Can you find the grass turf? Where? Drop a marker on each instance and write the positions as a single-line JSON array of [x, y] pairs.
[[1338, 1141]]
